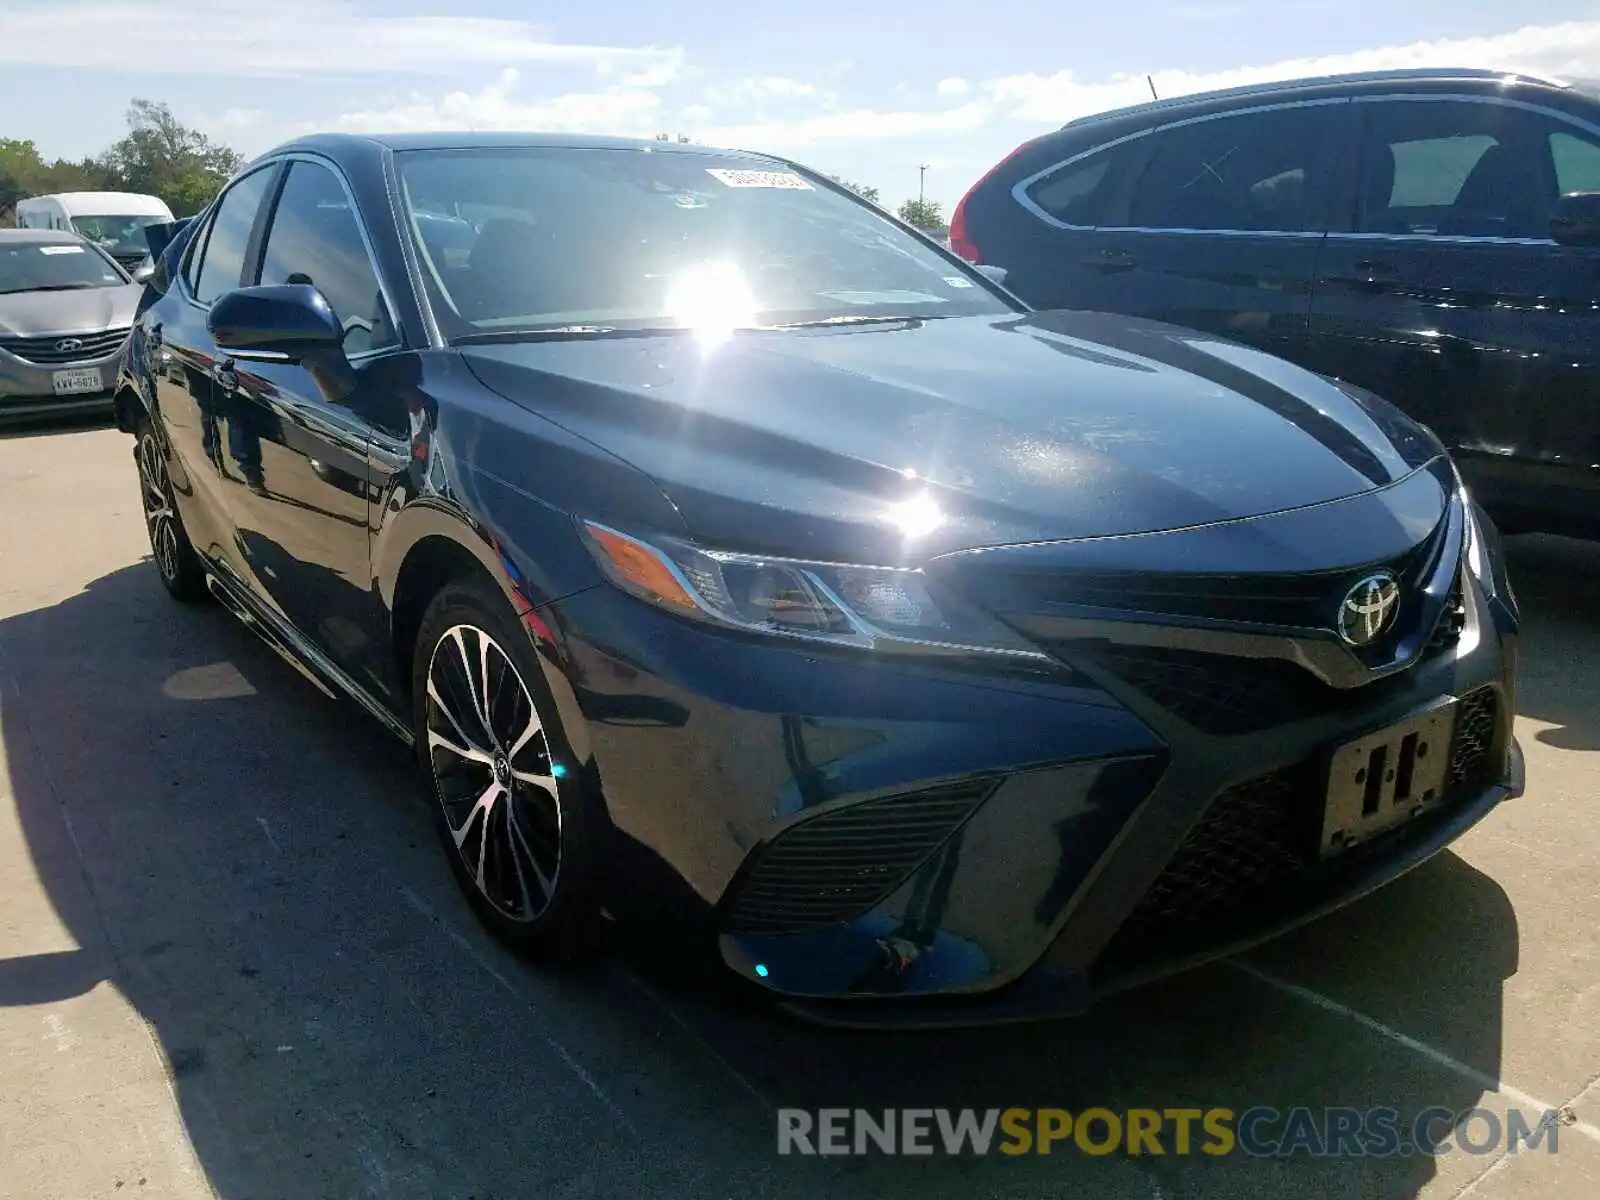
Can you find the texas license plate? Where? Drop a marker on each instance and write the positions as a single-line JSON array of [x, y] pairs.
[[1387, 777], [77, 381]]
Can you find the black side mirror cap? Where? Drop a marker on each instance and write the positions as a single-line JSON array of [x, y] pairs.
[[1576, 221], [285, 322], [159, 237]]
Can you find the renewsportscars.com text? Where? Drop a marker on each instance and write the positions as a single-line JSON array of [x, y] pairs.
[[1260, 1132]]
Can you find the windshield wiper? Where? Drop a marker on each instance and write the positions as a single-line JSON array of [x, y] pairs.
[[559, 333], [828, 322]]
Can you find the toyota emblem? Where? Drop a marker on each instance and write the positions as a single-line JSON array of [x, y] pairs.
[[68, 345], [1368, 609]]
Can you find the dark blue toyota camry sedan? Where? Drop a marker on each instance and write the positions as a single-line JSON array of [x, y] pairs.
[[734, 557]]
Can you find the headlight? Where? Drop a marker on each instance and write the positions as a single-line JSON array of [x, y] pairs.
[[874, 608]]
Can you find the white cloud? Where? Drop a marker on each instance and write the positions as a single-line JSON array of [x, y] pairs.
[[954, 86], [623, 111], [1570, 49], [847, 126], [286, 38]]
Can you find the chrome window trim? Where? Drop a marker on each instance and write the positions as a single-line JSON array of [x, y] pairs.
[[1019, 191]]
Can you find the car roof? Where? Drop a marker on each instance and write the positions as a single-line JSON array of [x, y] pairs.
[[332, 144], [1481, 77], [43, 237]]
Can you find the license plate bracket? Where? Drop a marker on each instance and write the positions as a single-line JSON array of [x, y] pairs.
[[1387, 777], [77, 381]]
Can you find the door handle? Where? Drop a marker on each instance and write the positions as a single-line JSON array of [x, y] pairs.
[[1111, 261], [225, 376]]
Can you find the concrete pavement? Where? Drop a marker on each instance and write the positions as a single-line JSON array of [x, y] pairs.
[[233, 963]]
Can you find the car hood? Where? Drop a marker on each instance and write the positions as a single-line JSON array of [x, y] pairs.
[[87, 310], [899, 442]]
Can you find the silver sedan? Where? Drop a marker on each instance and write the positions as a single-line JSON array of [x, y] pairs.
[[65, 311]]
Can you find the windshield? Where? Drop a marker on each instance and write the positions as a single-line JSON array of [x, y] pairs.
[[628, 239], [120, 235], [40, 266]]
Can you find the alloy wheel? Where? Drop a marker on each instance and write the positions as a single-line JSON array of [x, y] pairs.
[[159, 516], [493, 774]]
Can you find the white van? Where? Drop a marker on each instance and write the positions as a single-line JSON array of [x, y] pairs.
[[112, 220]]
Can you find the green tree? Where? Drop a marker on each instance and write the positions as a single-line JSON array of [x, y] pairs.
[[162, 156], [866, 192], [924, 214], [20, 165]]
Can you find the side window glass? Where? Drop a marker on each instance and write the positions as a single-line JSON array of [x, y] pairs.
[[1455, 169], [1075, 194], [315, 239], [1577, 163], [196, 251], [1247, 172], [222, 261]]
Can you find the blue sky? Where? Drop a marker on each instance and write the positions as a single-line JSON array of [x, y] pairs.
[[868, 92]]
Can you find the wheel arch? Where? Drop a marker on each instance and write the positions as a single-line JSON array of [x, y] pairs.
[[426, 548]]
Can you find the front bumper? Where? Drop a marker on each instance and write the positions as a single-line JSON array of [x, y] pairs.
[[900, 843], [27, 389]]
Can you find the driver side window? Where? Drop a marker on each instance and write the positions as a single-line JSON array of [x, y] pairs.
[[314, 239]]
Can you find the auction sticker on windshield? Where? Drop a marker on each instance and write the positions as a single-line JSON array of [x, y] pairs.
[[60, 249], [760, 179]]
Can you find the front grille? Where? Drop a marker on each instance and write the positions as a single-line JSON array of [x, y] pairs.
[[833, 867], [46, 351], [1254, 838], [1306, 600], [1223, 694], [1256, 844]]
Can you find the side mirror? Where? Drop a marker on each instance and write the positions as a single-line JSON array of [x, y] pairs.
[[1577, 219], [285, 322], [159, 237], [144, 271], [993, 274]]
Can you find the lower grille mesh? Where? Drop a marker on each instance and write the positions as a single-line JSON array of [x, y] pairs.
[[831, 868], [1257, 840]]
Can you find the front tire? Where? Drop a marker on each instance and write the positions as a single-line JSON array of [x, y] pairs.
[[510, 809], [176, 562]]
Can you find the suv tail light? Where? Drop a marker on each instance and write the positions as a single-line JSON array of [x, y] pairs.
[[960, 241]]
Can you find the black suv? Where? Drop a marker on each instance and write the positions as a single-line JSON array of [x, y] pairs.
[[1433, 236]]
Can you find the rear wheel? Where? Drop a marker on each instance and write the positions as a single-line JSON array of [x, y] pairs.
[[510, 810], [176, 562]]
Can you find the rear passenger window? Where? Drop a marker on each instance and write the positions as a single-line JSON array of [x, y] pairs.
[[1252, 171], [1451, 168], [221, 263], [1074, 194], [1577, 162]]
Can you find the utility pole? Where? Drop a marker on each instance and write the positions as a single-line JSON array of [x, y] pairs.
[[922, 183]]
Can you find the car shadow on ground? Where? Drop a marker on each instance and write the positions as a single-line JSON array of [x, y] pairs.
[[1557, 581], [250, 866]]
